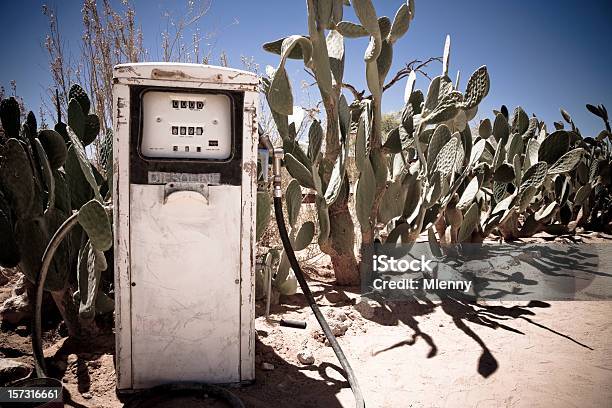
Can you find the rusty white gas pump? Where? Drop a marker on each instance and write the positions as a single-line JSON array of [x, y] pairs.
[[184, 187]]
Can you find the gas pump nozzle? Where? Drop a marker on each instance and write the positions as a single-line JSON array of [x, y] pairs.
[[278, 154]]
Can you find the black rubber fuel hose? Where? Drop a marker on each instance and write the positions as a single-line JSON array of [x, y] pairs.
[[350, 375]]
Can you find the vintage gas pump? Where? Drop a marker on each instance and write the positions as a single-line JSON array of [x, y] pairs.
[[184, 187]]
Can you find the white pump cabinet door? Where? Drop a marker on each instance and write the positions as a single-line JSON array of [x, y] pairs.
[[185, 266]]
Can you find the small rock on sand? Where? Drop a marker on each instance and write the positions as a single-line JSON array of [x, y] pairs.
[[305, 357]]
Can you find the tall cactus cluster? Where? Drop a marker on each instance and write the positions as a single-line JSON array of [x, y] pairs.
[[45, 175], [425, 160], [322, 52], [431, 174]]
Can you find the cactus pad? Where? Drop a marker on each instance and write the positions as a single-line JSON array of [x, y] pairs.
[[554, 146], [414, 200], [501, 130], [78, 186], [503, 205], [299, 171], [335, 50], [469, 194], [46, 171], [446, 159], [62, 194], [447, 109], [434, 191], [477, 151], [324, 12], [275, 48], [315, 139], [91, 263], [391, 204], [401, 23], [54, 146], [477, 87], [485, 130], [535, 175], [304, 236], [525, 196], [293, 197], [384, 61], [469, 223], [499, 191], [364, 196], [520, 121], [582, 194], [545, 212], [280, 97], [384, 25], [34, 234], [440, 137], [367, 15], [323, 216], [84, 164], [94, 220], [531, 152], [17, 179], [350, 30], [567, 162], [516, 147], [10, 116], [92, 128], [77, 93], [76, 118], [336, 179], [32, 124]]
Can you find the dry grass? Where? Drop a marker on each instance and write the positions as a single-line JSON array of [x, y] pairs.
[[111, 36]]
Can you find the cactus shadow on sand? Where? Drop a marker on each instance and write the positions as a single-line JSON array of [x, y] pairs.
[[463, 311]]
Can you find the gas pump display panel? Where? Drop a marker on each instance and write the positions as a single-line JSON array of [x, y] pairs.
[[185, 131], [186, 125]]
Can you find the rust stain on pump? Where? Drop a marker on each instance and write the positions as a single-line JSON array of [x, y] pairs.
[[157, 73]]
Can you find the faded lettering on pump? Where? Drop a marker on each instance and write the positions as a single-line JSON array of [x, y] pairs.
[[161, 177]]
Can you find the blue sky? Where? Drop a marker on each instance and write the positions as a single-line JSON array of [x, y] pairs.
[[541, 55]]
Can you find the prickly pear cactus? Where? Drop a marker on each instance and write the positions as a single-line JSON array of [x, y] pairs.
[[510, 177], [323, 53], [41, 174]]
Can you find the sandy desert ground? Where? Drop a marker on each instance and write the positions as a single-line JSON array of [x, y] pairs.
[[444, 353]]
